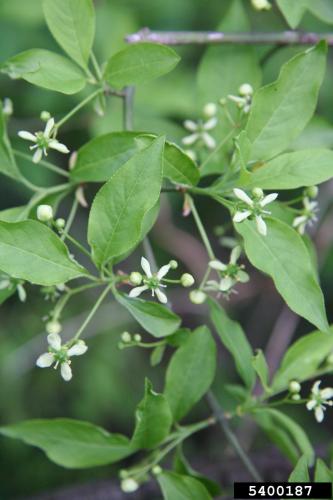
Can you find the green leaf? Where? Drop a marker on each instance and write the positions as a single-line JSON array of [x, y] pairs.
[[281, 110], [301, 473], [270, 419], [101, 157], [317, 134], [322, 473], [302, 359], [32, 252], [322, 9], [153, 317], [45, 69], [293, 170], [293, 11], [72, 23], [224, 68], [260, 365], [178, 487], [157, 355], [14, 214], [119, 208], [234, 339], [6, 294], [139, 63], [283, 255], [190, 372], [71, 443], [7, 162], [153, 419]]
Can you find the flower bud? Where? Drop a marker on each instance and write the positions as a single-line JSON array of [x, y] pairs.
[[135, 278], [197, 296], [312, 191], [53, 326], [245, 89], [45, 116], [296, 397], [60, 223], [261, 4], [129, 485], [126, 337], [173, 264], [186, 280], [210, 109], [223, 101], [44, 213], [258, 192], [156, 470], [137, 337], [294, 386]]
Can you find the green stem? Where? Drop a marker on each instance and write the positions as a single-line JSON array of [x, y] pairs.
[[42, 163], [231, 437], [65, 298], [78, 245], [77, 108], [96, 66], [201, 229], [70, 218], [92, 312]]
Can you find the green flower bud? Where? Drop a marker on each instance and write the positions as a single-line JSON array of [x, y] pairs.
[[187, 280], [44, 213], [296, 397], [137, 337], [245, 89], [60, 223], [197, 296], [312, 191], [126, 337], [156, 470], [210, 109], [294, 386], [129, 485], [258, 192], [261, 5], [45, 116], [53, 326], [136, 278]]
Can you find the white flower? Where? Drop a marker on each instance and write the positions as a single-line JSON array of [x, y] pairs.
[[319, 399], [254, 207], [231, 273], [152, 281], [44, 213], [197, 296], [244, 99], [308, 215], [200, 132], [261, 4], [43, 141], [60, 354]]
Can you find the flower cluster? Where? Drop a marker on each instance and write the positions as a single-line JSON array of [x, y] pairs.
[[319, 399], [200, 130], [153, 281], [60, 354], [244, 99], [253, 207], [231, 273], [43, 141], [308, 213]]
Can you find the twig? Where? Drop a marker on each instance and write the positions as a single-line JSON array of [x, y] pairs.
[[218, 37]]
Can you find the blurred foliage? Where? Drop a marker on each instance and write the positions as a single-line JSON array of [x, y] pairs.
[[108, 384]]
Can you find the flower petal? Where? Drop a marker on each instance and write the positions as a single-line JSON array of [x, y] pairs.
[[135, 292], [37, 155], [299, 220], [243, 196], [45, 360], [268, 199], [242, 276], [240, 216], [66, 371], [226, 283], [209, 140], [319, 413], [163, 271], [216, 264], [235, 254], [77, 349], [146, 267], [54, 341], [210, 124], [48, 127], [54, 144], [190, 125], [261, 225], [28, 136], [327, 393], [315, 387], [190, 139], [161, 296], [311, 404]]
